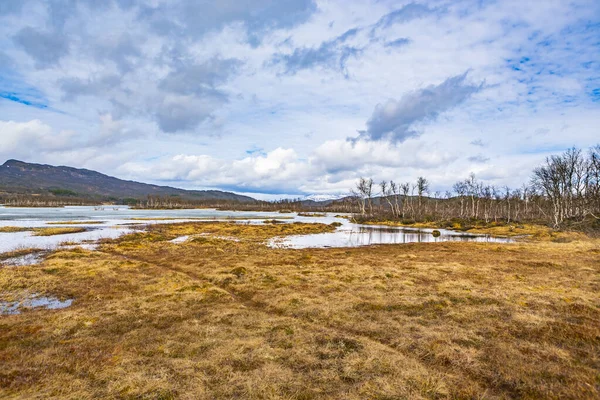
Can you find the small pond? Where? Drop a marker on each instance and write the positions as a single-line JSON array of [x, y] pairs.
[[354, 235], [34, 301]]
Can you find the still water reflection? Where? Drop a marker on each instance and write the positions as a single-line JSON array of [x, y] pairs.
[[354, 235]]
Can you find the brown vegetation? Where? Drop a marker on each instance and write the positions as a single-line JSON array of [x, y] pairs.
[[56, 231], [214, 318], [13, 229]]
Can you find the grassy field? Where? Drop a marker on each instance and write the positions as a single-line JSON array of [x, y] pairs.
[[216, 318]]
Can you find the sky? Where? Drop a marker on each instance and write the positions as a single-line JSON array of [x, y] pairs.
[[289, 98]]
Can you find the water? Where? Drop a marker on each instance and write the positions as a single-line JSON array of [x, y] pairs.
[[180, 239], [106, 222], [114, 221], [34, 301], [27, 259], [354, 235]]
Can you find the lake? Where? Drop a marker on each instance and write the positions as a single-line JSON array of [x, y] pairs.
[[114, 221]]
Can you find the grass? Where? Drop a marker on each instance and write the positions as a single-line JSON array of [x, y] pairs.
[[214, 318], [13, 229], [44, 231], [56, 231]]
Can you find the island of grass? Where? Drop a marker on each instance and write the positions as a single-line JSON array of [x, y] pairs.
[[312, 214], [57, 231], [43, 231], [214, 318], [13, 229]]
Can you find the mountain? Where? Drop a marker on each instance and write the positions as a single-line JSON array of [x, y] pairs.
[[21, 177]]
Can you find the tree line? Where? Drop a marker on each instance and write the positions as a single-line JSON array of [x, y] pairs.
[[565, 188]]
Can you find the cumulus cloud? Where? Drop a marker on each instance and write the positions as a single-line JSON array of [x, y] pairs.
[[279, 170], [341, 155], [395, 119], [27, 138], [333, 166]]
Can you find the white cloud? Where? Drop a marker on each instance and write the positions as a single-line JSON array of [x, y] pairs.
[[114, 80], [27, 138]]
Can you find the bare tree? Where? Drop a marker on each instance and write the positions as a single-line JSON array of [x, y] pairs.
[[364, 190], [564, 189], [405, 187], [422, 188]]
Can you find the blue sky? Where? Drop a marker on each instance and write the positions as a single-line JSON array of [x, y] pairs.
[[289, 98]]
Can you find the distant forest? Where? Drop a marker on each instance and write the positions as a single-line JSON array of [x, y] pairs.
[[564, 190]]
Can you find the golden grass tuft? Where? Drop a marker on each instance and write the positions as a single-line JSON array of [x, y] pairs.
[[13, 229], [56, 231], [216, 318]]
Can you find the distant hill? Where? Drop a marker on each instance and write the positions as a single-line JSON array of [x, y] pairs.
[[25, 178]]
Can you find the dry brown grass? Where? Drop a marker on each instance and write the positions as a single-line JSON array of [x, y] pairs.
[[216, 318], [56, 231], [13, 229]]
